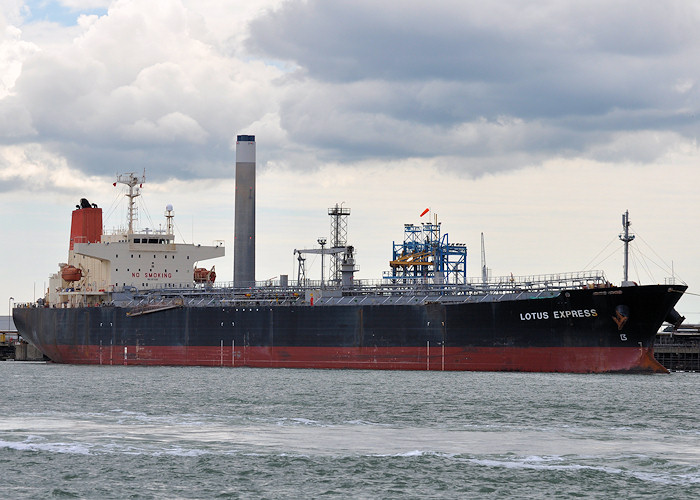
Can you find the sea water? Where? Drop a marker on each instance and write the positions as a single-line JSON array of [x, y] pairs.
[[166, 432]]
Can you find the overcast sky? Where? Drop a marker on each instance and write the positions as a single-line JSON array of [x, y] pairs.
[[537, 123]]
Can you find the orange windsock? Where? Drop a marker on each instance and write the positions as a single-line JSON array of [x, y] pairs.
[[425, 212]]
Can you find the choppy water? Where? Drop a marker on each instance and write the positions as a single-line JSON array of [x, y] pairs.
[[160, 432]]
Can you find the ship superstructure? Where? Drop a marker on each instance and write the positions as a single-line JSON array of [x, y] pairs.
[[104, 267]]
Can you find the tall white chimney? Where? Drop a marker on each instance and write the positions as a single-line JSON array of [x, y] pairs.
[[244, 217]]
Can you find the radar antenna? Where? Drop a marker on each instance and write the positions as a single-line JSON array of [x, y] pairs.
[[132, 180]]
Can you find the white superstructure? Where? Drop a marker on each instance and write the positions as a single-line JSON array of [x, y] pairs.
[[127, 259]]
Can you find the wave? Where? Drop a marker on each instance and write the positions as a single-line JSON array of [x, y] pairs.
[[59, 447], [559, 463]]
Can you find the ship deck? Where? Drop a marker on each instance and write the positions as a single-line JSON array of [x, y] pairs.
[[364, 292]]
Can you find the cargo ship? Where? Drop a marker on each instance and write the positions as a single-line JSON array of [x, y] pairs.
[[137, 297]]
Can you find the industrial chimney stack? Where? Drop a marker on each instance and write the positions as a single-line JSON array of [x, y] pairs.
[[244, 221]]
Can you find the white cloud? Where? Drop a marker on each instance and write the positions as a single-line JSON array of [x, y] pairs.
[[141, 73], [173, 127], [684, 85], [85, 4], [11, 12], [13, 52], [31, 168]]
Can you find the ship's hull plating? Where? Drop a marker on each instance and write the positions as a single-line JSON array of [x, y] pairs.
[[591, 330]]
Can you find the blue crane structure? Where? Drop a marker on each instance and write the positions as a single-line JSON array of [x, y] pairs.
[[427, 254]]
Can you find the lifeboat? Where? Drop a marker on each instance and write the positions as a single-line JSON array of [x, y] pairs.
[[202, 275], [71, 273]]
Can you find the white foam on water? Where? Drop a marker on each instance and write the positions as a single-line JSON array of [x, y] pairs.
[[544, 463], [365, 423], [181, 452], [303, 421], [416, 453], [60, 447]]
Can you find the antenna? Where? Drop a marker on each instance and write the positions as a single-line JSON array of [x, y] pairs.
[[322, 241]]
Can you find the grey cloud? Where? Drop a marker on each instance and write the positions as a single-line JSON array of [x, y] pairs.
[[368, 69], [15, 121], [467, 40]]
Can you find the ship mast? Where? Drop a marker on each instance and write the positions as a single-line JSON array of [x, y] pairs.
[[484, 270], [169, 219], [132, 180], [626, 237]]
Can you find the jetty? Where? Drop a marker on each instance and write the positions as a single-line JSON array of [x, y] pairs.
[[678, 349], [12, 347]]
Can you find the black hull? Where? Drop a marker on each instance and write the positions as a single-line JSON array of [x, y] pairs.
[[582, 330]]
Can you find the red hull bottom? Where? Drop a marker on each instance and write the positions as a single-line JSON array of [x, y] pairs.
[[530, 359]]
